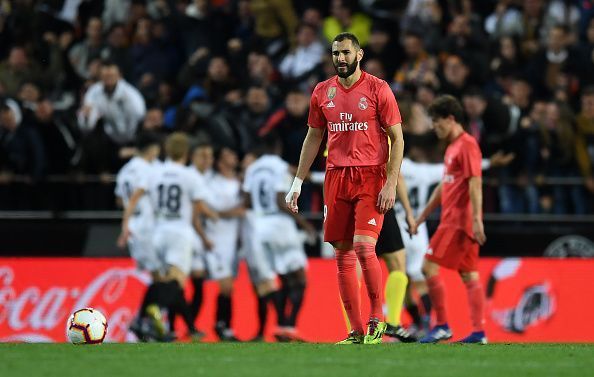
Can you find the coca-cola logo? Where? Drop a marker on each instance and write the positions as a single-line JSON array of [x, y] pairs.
[[39, 311]]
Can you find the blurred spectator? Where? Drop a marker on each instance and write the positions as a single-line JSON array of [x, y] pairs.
[[585, 139], [59, 137], [109, 116], [424, 17], [289, 123], [455, 76], [261, 72], [418, 67], [252, 117], [344, 18], [21, 147], [218, 81], [534, 27], [115, 12], [117, 50], [17, 69], [557, 151], [383, 47], [550, 63], [306, 57], [505, 21], [508, 57], [153, 56], [564, 13], [275, 22], [83, 52], [375, 67], [467, 39], [28, 95]]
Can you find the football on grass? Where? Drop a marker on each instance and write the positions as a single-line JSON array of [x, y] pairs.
[[86, 326]]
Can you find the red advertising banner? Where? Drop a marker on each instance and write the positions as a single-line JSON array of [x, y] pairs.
[[529, 299]]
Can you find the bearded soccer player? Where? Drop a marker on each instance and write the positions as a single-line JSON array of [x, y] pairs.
[[455, 244], [360, 113]]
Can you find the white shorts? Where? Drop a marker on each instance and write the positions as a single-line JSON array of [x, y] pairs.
[[276, 247], [221, 261], [140, 245], [415, 247], [198, 254], [257, 256], [174, 246]]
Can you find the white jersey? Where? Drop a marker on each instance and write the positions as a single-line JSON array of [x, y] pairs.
[[134, 175], [264, 179], [172, 189], [224, 194], [419, 178], [275, 244]]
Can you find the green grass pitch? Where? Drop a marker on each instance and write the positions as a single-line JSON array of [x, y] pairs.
[[288, 360]]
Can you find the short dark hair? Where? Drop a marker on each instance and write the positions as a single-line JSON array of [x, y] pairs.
[[444, 106], [146, 139], [350, 36]]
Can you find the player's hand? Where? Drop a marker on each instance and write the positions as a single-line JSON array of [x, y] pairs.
[[386, 198], [479, 232], [208, 244], [293, 195], [123, 238], [412, 225]]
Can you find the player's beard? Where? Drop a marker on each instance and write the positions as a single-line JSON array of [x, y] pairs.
[[351, 68]]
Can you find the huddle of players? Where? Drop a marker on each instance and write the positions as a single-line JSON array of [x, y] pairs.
[[194, 221]]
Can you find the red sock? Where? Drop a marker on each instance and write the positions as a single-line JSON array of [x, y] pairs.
[[372, 273], [476, 300], [348, 285], [437, 295]]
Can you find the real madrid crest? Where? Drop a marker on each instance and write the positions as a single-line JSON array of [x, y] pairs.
[[331, 92], [363, 103]]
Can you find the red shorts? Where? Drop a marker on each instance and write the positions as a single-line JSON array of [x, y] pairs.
[[350, 202], [453, 248]]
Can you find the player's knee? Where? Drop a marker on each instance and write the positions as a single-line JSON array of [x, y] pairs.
[[342, 245], [429, 269], [468, 275], [395, 261], [226, 286], [198, 274]]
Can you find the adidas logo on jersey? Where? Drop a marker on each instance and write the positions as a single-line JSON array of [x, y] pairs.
[[372, 222], [330, 105]]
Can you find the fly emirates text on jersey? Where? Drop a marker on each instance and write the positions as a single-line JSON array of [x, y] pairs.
[[346, 124]]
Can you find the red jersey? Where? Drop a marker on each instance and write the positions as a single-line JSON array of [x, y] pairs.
[[356, 119], [462, 160]]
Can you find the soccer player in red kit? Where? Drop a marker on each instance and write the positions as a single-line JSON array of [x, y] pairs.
[[455, 244], [360, 113]]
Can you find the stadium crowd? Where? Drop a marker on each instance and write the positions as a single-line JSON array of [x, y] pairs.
[[80, 78]]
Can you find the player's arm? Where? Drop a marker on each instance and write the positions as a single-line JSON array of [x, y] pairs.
[[432, 204], [204, 209], [197, 210], [309, 151], [247, 200], [475, 188], [402, 192], [387, 195], [128, 211], [301, 221], [237, 211]]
